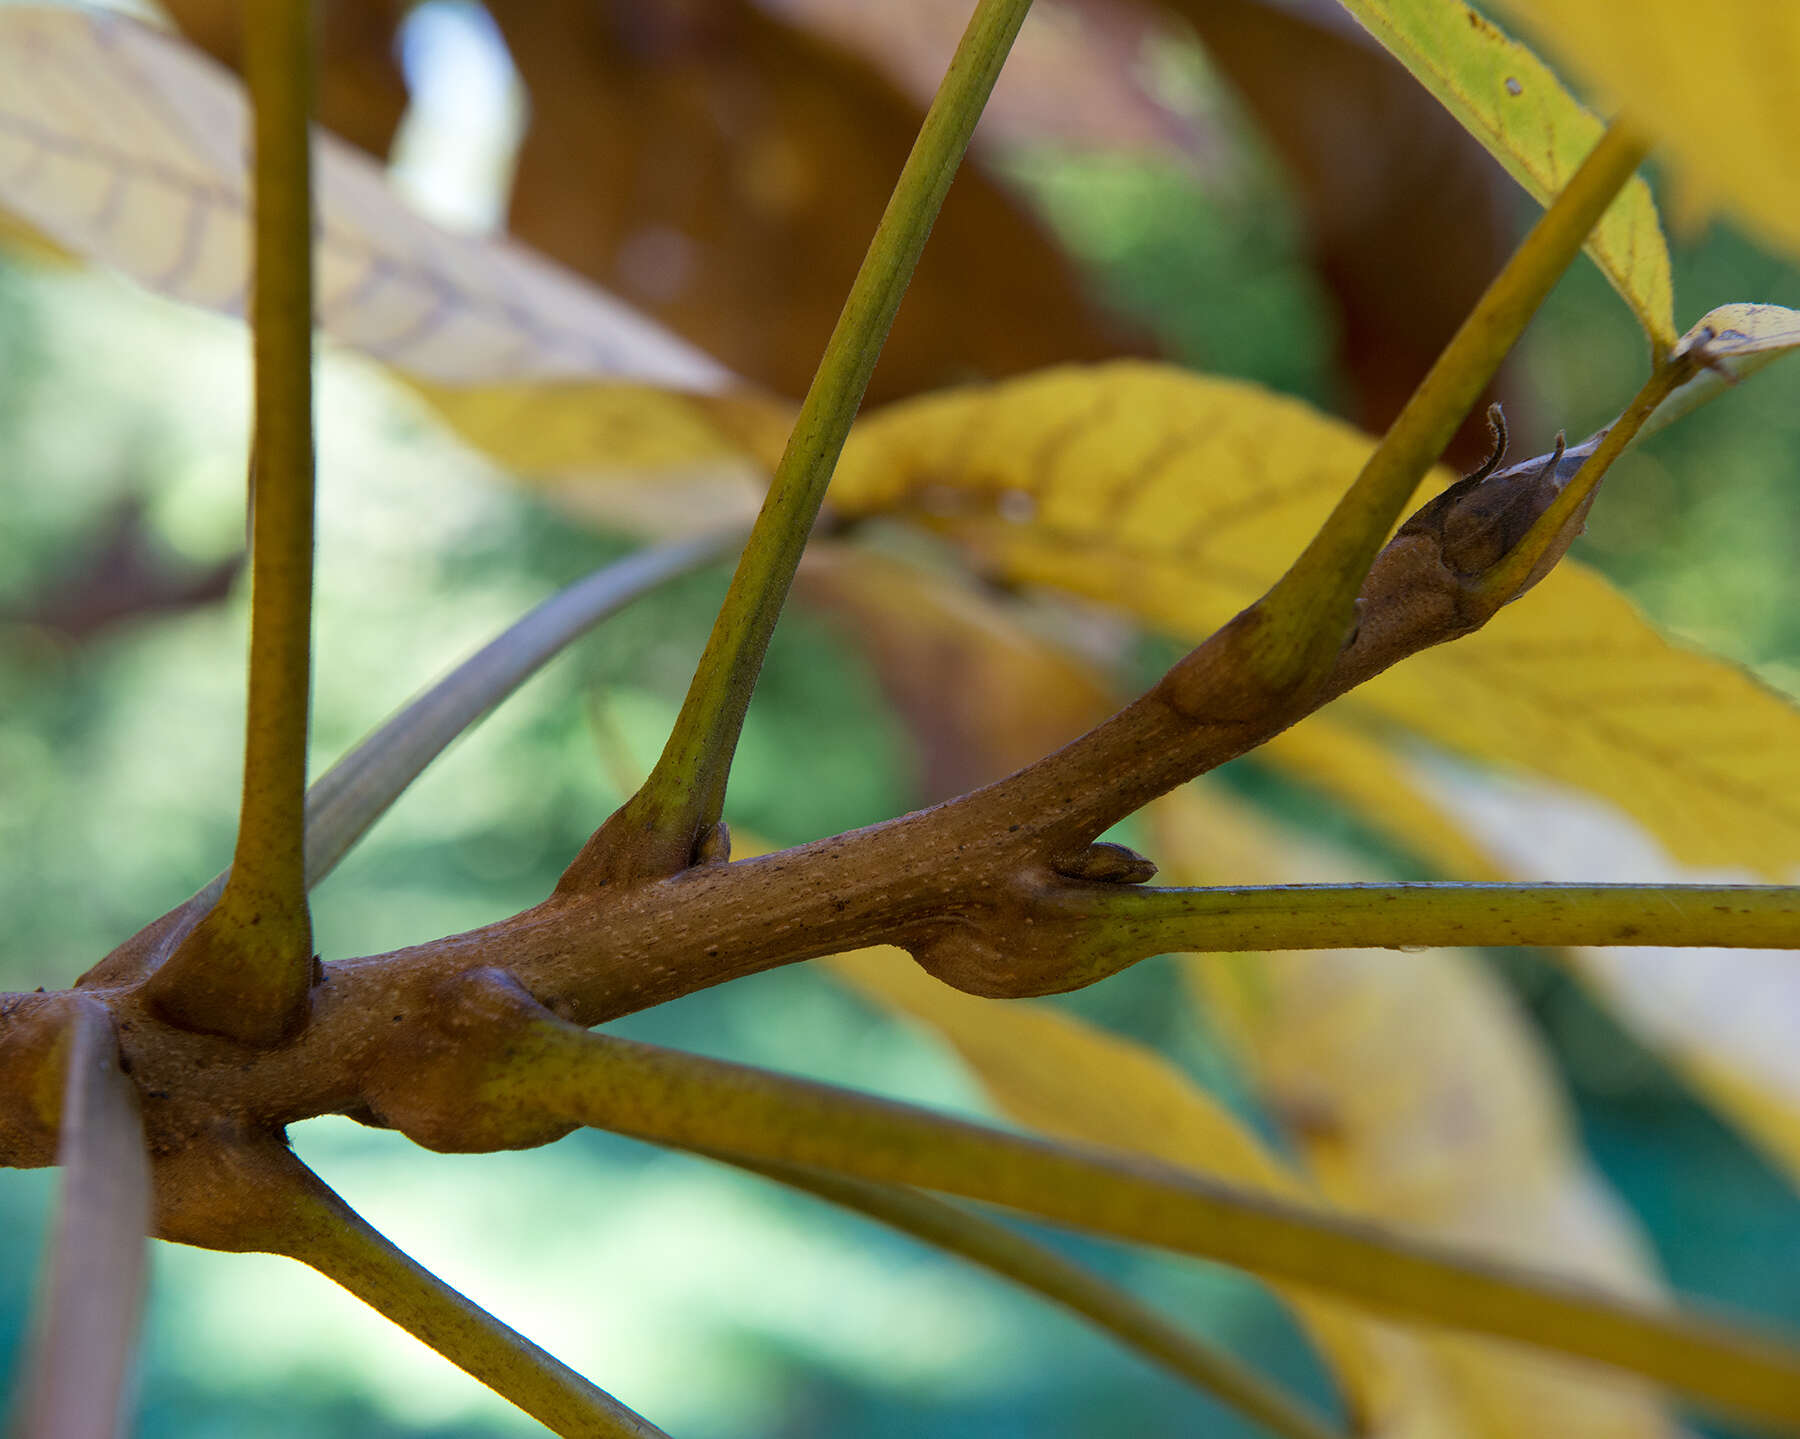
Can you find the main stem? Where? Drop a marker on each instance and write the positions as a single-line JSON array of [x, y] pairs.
[[657, 831]]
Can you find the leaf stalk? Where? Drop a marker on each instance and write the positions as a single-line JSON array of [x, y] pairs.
[[659, 829], [246, 969], [1001, 1250], [1430, 915], [690, 1102]]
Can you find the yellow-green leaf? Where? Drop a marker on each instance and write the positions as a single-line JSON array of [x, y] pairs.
[[1455, 1127], [1715, 82], [1515, 106], [1180, 498], [126, 146]]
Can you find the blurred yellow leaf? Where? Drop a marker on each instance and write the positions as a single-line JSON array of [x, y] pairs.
[[1514, 104], [1416, 1094], [981, 694], [1722, 1017], [1345, 762], [126, 146], [1715, 82], [1053, 1073], [1180, 498], [593, 444]]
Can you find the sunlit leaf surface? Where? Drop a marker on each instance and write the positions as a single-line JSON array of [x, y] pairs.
[[126, 146], [1180, 498], [1515, 105]]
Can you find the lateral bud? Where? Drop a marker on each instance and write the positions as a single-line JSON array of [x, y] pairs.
[[714, 846], [1107, 863]]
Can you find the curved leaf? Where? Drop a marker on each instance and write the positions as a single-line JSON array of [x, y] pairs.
[[1514, 104], [1180, 498], [1734, 341]]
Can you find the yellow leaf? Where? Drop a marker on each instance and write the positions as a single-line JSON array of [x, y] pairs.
[[1356, 769], [1722, 1017], [1180, 498], [1417, 1095], [1515, 106], [592, 444], [1715, 82], [126, 146]]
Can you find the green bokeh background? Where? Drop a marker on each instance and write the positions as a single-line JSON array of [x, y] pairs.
[[712, 1302]]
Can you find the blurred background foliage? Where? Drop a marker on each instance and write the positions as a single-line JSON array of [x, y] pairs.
[[707, 1299]]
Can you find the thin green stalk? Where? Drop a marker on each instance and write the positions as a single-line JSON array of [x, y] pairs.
[[321, 1231], [1304, 618], [246, 969], [685, 793], [1552, 531], [362, 786], [552, 1068], [359, 788], [1397, 916], [76, 1378], [1046, 1273]]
